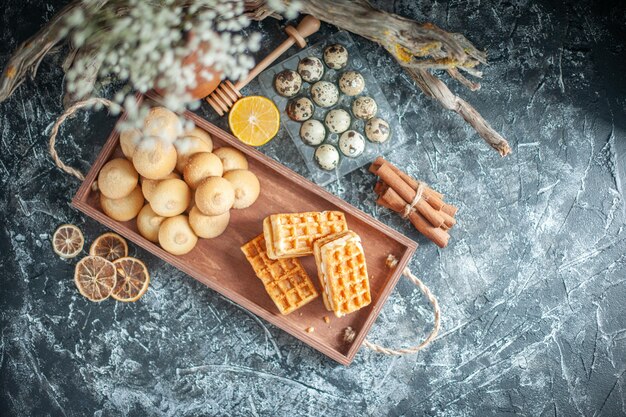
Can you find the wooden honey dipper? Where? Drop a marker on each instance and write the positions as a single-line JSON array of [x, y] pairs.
[[226, 94]]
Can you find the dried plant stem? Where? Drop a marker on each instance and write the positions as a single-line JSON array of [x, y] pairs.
[[90, 73], [437, 89], [413, 44], [27, 57]]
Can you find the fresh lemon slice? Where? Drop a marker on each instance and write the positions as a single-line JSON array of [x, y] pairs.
[[254, 120]]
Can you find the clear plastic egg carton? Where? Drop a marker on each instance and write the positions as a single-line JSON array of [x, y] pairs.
[[372, 89]]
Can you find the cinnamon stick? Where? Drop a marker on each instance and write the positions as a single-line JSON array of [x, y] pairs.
[[448, 221], [406, 192], [380, 187], [449, 209], [395, 202], [434, 198], [383, 203], [396, 189]]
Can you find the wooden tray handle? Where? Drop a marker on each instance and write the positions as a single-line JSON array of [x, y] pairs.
[[55, 131], [391, 263]]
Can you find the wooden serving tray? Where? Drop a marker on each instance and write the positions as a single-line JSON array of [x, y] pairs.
[[219, 263]]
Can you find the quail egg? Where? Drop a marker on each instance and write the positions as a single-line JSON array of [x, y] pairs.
[[300, 109], [312, 132], [377, 130], [327, 157], [324, 93], [287, 83], [337, 120], [351, 83], [311, 69], [351, 143], [336, 56], [364, 108]]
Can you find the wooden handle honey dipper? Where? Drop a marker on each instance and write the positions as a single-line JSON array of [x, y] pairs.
[[226, 94]]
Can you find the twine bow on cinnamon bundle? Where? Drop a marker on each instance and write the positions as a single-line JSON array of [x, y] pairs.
[[423, 206]]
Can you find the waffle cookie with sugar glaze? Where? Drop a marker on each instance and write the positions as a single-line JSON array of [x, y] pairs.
[[292, 234], [342, 272], [285, 281]]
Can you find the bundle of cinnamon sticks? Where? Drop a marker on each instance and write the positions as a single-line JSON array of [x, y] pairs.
[[423, 206]]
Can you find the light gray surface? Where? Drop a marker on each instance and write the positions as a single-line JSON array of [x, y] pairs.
[[532, 286]]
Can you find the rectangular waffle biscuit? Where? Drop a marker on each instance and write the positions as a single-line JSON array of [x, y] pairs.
[[342, 272], [286, 282], [292, 234]]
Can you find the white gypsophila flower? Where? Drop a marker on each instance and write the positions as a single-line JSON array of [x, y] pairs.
[[144, 44], [290, 11], [184, 144]]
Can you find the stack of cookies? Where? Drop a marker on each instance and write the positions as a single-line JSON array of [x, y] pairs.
[[341, 267], [175, 183]]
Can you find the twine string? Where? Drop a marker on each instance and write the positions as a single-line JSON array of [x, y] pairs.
[[57, 125], [418, 196], [391, 263]]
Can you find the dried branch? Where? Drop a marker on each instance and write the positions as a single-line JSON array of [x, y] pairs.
[[417, 47], [27, 57], [454, 73], [437, 89], [91, 65]]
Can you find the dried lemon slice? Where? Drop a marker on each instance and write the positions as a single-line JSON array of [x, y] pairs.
[[67, 241], [132, 279], [109, 246], [95, 277]]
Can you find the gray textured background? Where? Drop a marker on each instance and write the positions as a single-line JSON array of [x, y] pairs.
[[532, 287]]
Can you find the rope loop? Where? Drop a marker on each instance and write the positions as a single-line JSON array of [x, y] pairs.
[[391, 263], [57, 125]]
